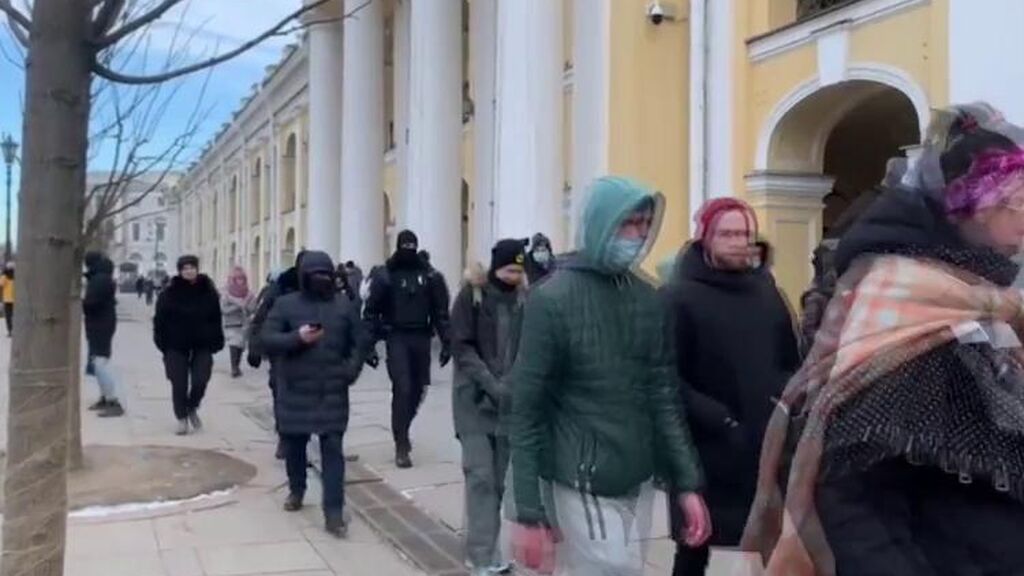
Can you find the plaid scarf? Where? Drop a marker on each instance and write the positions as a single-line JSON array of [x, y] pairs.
[[887, 311]]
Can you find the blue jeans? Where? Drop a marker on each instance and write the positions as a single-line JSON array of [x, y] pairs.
[[105, 377], [332, 462]]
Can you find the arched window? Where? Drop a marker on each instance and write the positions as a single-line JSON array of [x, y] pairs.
[[233, 204], [288, 180], [255, 191], [288, 254], [254, 259]]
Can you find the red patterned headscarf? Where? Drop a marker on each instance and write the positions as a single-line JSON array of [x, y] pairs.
[[992, 180], [710, 214]]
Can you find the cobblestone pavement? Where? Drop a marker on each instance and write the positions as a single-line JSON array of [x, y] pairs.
[[404, 522]]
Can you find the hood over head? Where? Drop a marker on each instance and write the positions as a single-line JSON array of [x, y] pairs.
[[609, 201], [314, 261], [97, 263]]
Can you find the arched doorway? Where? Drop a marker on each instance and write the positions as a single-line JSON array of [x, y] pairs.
[[254, 259], [820, 158], [288, 181]]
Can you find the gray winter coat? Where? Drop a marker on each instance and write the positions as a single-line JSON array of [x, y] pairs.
[[313, 380], [486, 324]]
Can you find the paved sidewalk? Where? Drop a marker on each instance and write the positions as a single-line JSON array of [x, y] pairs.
[[246, 533]]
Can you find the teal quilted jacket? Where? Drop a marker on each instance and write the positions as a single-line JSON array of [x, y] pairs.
[[595, 394]]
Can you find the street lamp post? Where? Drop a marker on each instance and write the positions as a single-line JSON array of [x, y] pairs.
[[10, 150]]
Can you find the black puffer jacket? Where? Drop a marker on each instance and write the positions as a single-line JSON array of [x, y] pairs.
[[313, 380], [736, 347], [188, 317], [99, 305]]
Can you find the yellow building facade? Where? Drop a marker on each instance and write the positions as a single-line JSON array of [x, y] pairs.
[[472, 120]]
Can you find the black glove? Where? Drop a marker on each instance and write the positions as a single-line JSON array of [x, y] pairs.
[[373, 360], [254, 359], [446, 356]]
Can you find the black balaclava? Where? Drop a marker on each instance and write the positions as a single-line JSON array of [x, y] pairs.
[[317, 275], [506, 252], [405, 252]]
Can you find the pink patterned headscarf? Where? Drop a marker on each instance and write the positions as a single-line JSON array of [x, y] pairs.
[[238, 283], [992, 180]]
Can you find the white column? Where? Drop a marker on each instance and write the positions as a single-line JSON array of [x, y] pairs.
[[362, 142], [325, 93], [483, 54], [591, 97], [399, 200], [434, 177], [529, 167]]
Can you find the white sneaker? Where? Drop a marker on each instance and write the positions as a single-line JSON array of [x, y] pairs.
[[501, 568], [182, 427]]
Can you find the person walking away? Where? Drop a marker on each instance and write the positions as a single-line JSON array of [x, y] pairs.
[[317, 337], [594, 407], [188, 331], [408, 303], [99, 309], [736, 347], [237, 307], [7, 290], [486, 322], [901, 439], [354, 276], [140, 287], [541, 260]]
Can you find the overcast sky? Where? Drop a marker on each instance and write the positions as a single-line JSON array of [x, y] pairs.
[[212, 26]]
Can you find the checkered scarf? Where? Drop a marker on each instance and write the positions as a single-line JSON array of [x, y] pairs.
[[887, 311]]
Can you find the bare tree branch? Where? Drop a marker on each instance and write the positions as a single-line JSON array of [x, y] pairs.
[[14, 15], [108, 14], [114, 76], [136, 24], [19, 33]]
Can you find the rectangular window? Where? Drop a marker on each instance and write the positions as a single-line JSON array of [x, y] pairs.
[[160, 231], [136, 231]]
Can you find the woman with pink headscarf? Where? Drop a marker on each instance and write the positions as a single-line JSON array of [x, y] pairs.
[[237, 306]]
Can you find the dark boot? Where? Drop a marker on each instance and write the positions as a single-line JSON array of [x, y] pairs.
[[293, 503], [100, 404], [335, 524], [236, 362], [279, 454], [402, 458], [112, 410]]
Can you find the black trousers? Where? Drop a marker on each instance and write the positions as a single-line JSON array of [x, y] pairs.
[[691, 561], [9, 316], [409, 369], [332, 463], [236, 358], [189, 373]]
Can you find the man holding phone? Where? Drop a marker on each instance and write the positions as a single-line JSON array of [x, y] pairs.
[[318, 340]]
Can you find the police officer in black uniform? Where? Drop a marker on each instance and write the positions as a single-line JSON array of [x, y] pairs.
[[407, 305]]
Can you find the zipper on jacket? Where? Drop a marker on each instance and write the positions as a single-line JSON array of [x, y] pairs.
[[581, 487], [590, 488]]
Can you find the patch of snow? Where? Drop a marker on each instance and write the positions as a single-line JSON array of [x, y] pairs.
[[134, 507]]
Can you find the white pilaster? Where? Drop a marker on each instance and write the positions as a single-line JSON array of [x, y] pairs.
[[400, 200], [325, 100], [529, 167], [362, 145], [434, 177], [591, 89], [483, 62]]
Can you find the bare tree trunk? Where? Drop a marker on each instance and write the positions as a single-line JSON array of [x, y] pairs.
[[53, 176], [76, 460]]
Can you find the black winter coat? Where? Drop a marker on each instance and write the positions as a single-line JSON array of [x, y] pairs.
[[313, 380], [408, 298], [892, 503], [736, 347], [285, 284], [99, 306], [188, 317]]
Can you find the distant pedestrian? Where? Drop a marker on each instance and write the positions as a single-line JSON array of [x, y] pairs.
[[354, 275], [541, 260], [408, 304], [237, 305], [140, 287], [317, 338], [7, 289], [736, 346], [99, 309], [187, 329], [486, 321], [149, 287]]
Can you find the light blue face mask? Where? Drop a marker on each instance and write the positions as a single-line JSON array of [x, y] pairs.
[[623, 253], [542, 256]]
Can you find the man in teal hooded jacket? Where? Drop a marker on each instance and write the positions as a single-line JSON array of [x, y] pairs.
[[595, 411]]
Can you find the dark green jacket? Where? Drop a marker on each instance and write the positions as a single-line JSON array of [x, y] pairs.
[[595, 402]]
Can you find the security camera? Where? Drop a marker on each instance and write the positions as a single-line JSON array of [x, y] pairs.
[[658, 12]]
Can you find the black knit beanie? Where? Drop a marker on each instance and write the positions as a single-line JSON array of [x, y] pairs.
[[507, 252], [406, 237], [188, 260]]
